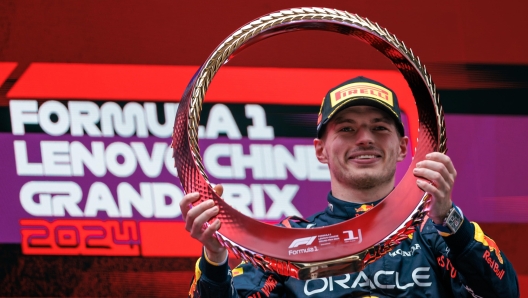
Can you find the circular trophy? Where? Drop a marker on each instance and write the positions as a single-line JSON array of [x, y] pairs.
[[355, 242]]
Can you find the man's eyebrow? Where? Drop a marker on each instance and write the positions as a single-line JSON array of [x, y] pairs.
[[344, 120], [382, 119]]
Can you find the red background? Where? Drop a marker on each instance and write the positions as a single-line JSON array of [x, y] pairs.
[[448, 36]]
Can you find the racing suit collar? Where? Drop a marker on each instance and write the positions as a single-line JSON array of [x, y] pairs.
[[343, 209]]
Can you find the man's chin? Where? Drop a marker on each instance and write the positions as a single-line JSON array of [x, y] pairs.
[[368, 180], [364, 183]]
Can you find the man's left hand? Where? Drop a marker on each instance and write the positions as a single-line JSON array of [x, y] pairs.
[[439, 173]]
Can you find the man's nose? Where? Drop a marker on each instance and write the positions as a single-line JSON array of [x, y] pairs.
[[364, 136]]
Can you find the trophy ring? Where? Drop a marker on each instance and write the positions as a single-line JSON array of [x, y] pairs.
[[383, 227]]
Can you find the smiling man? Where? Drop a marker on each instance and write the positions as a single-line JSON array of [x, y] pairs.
[[360, 137], [347, 146]]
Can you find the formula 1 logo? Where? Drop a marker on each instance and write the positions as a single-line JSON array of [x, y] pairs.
[[352, 238], [302, 241]]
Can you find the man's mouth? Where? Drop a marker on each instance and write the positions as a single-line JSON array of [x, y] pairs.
[[365, 156]]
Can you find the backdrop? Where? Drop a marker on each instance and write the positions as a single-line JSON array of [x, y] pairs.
[[88, 94]]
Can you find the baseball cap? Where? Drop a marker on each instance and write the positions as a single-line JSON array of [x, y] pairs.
[[359, 91]]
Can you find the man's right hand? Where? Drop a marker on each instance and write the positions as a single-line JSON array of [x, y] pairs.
[[195, 219]]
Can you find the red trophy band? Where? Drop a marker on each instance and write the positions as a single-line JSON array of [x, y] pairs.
[[271, 247]]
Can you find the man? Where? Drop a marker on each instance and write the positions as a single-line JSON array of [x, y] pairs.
[[360, 137]]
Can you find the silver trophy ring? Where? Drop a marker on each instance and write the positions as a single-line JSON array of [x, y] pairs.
[[383, 227]]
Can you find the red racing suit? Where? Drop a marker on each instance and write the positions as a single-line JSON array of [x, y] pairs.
[[465, 264]]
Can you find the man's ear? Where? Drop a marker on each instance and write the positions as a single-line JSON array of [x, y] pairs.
[[320, 151], [403, 148]]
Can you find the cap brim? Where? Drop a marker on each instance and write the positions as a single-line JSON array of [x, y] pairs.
[[363, 101]]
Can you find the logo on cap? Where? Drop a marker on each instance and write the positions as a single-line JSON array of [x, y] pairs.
[[360, 90]]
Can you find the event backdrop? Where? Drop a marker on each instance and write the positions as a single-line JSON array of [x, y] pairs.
[[88, 95]]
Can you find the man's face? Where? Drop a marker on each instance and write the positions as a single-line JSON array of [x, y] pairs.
[[361, 146]]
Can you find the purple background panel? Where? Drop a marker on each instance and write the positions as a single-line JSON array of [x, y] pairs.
[[487, 151], [489, 154]]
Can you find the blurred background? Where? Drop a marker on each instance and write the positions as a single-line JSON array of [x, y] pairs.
[[88, 94]]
